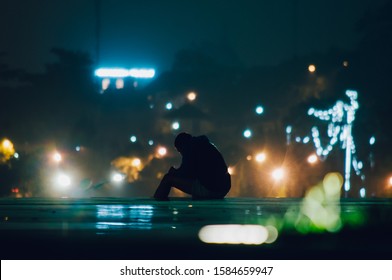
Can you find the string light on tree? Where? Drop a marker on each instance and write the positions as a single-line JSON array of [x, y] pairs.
[[340, 117]]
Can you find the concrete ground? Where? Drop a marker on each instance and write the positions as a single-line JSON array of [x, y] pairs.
[[142, 228]]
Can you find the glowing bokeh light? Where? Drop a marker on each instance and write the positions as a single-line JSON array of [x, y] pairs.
[[231, 170], [278, 174], [6, 150], [247, 133], [63, 180], [312, 68], [118, 177], [372, 140], [57, 157], [312, 159], [259, 110], [136, 162], [169, 106], [133, 139], [175, 125], [260, 157], [119, 84], [234, 234], [161, 151], [191, 96], [390, 181], [105, 83]]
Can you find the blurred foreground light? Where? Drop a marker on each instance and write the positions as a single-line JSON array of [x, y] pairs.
[[231, 170], [234, 234], [372, 140], [312, 68], [278, 174], [6, 150], [16, 155], [169, 106]]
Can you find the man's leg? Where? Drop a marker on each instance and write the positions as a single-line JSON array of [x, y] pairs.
[[169, 181]]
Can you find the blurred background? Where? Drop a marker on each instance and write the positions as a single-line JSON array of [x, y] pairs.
[[93, 94]]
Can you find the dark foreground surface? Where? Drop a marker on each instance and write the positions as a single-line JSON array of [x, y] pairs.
[[141, 228]]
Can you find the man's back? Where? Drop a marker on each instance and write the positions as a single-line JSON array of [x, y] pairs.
[[210, 167]]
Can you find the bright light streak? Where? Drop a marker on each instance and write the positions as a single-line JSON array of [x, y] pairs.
[[312, 68], [234, 234], [191, 96], [142, 73], [112, 72], [260, 157], [278, 174], [247, 133], [259, 110]]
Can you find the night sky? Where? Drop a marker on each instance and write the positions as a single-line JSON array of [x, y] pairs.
[[149, 33]]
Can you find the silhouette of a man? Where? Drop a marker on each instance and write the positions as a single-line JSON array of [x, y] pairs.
[[203, 172]]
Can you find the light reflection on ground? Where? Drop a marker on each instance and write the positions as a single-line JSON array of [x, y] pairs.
[[98, 227]]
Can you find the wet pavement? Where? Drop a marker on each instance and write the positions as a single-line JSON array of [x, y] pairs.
[[142, 228]]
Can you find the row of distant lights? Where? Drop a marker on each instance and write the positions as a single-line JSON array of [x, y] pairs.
[[161, 151], [312, 68]]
